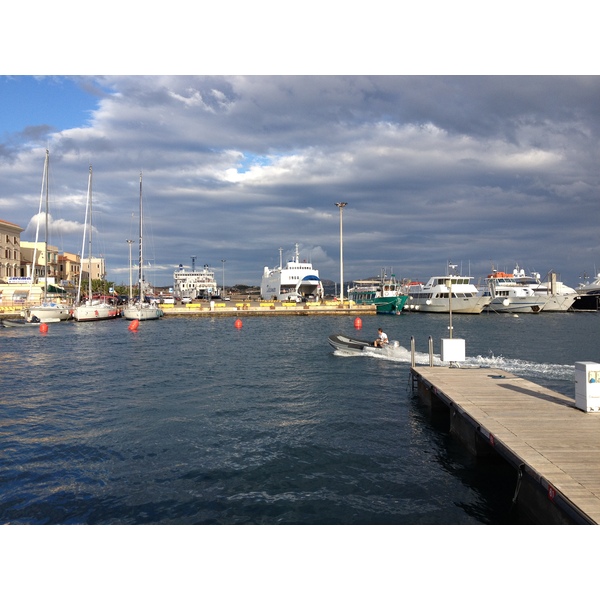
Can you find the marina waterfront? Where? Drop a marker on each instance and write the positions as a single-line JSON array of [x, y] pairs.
[[195, 421]]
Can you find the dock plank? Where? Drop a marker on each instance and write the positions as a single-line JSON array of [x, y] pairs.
[[541, 428]]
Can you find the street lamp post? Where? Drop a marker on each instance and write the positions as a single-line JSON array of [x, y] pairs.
[[341, 205], [223, 290], [130, 282]]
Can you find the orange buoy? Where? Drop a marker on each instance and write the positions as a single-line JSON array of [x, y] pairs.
[[134, 325], [238, 323], [357, 323], [43, 327]]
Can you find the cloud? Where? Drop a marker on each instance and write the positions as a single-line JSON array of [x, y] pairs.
[[57, 229]]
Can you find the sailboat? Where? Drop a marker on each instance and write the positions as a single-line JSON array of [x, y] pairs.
[[90, 310], [141, 310], [47, 311]]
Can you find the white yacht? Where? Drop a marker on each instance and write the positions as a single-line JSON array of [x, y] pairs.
[[557, 296], [296, 281], [48, 312], [511, 297], [195, 284], [444, 293]]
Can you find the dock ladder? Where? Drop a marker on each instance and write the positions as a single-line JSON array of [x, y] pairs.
[[414, 384]]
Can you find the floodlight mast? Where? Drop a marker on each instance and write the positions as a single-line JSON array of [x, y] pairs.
[[341, 206]]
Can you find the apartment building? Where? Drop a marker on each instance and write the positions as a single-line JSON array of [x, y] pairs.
[[10, 251], [69, 268], [97, 267], [44, 254], [22, 281]]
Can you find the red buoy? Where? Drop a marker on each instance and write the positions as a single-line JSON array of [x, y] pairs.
[[357, 323], [238, 323], [134, 325], [43, 327]]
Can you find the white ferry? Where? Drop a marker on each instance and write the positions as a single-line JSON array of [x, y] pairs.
[[195, 284], [295, 282], [444, 293]]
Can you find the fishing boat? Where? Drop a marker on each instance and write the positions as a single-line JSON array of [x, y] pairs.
[[385, 294], [195, 283], [48, 310], [508, 296], [296, 281], [346, 344], [142, 309], [447, 293], [91, 309]]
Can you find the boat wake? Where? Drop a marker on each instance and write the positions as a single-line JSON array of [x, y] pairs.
[[524, 368], [519, 367]]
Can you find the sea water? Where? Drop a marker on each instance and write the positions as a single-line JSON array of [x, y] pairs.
[[195, 421]]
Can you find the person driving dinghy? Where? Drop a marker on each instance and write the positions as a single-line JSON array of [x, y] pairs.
[[382, 339]]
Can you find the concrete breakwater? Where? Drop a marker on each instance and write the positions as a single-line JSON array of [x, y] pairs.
[[262, 309]]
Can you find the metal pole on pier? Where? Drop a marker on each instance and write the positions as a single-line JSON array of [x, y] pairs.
[[450, 306], [223, 290]]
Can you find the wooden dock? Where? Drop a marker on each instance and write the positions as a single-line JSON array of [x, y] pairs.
[[554, 446]]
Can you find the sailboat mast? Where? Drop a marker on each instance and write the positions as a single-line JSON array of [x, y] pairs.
[[85, 233], [141, 261], [90, 242], [46, 229], [37, 232]]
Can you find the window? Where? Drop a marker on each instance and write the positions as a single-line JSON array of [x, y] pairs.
[[20, 296]]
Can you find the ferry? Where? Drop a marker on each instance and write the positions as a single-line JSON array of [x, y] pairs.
[[195, 284], [385, 294], [296, 281]]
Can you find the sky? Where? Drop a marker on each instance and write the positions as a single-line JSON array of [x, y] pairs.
[[483, 170]]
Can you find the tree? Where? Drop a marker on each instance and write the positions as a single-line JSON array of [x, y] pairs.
[[99, 286]]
